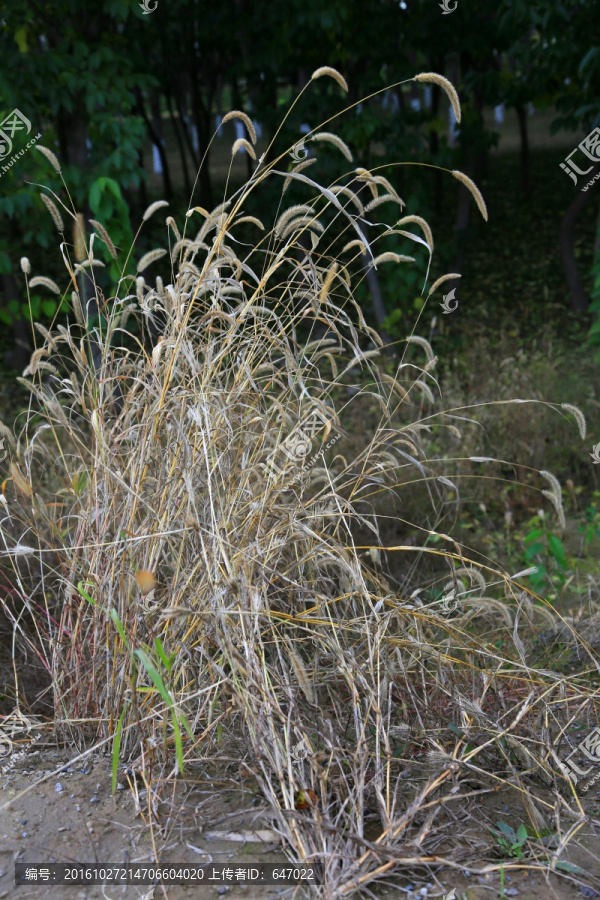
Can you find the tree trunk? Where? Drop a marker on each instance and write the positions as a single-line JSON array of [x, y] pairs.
[[463, 217], [77, 155], [181, 104], [142, 193], [19, 357], [579, 298], [184, 168], [521, 111], [434, 146], [372, 279], [156, 139], [376, 295]]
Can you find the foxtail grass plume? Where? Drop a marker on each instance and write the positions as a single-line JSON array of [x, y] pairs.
[[441, 280], [331, 73], [555, 496], [335, 140], [158, 204], [383, 198], [49, 156], [53, 210], [25, 265], [36, 358], [447, 86], [45, 282], [578, 416], [19, 480], [237, 114], [422, 342], [172, 224], [389, 256], [79, 244], [360, 246], [149, 258], [328, 282], [105, 237], [290, 213], [243, 144], [77, 308], [473, 190], [298, 168], [418, 220]]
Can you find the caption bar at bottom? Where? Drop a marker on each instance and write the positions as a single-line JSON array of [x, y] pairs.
[[171, 873]]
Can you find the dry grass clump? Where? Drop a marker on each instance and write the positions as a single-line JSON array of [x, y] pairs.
[[190, 578]]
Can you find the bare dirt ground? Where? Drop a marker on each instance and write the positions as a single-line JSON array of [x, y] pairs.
[[53, 811]]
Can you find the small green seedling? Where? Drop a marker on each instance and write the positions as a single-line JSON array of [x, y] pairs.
[[511, 842]]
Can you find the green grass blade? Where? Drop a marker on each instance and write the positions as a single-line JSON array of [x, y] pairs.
[[166, 661], [119, 626], [116, 752], [85, 595], [155, 676], [178, 744]]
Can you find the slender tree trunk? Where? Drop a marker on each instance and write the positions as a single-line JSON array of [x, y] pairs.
[[77, 155], [184, 168], [376, 295], [239, 104], [18, 358], [521, 111], [143, 193], [579, 298], [156, 139], [371, 277], [186, 132], [201, 114], [460, 233], [161, 145], [434, 146]]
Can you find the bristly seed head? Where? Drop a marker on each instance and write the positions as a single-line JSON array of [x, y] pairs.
[[332, 73], [49, 156], [53, 210]]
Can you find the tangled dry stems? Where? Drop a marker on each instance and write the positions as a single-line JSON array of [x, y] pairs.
[[190, 582]]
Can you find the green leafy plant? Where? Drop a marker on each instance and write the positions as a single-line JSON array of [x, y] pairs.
[[594, 333], [509, 841], [590, 527], [108, 206], [544, 550]]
